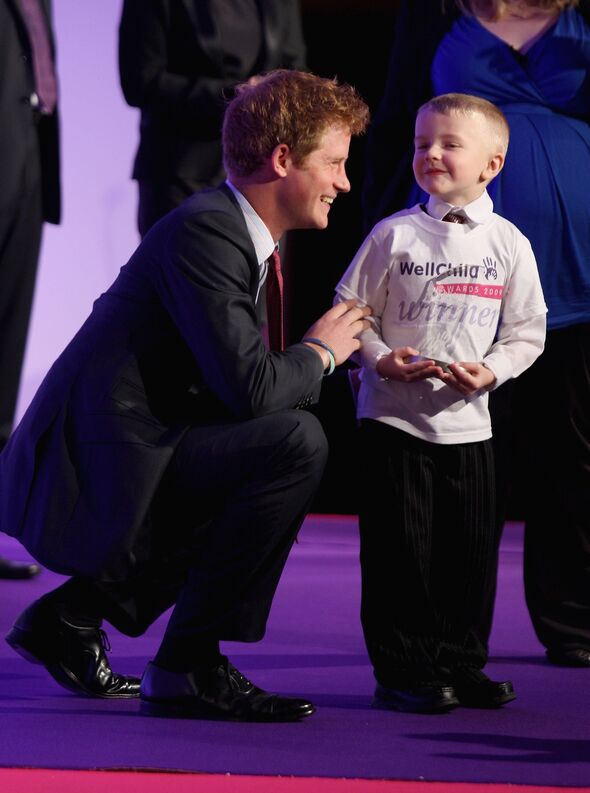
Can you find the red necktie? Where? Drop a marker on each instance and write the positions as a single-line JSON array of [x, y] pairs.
[[274, 302]]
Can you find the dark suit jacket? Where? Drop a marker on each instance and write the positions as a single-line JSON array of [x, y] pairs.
[[171, 65], [173, 343], [23, 134], [419, 27]]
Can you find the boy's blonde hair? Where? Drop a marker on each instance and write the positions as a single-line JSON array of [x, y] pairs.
[[468, 105]]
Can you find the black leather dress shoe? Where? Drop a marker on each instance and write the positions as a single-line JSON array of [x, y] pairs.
[[17, 570], [74, 655], [220, 692], [475, 689], [424, 698], [575, 657]]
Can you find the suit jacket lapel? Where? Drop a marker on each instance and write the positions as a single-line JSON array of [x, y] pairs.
[[254, 267]]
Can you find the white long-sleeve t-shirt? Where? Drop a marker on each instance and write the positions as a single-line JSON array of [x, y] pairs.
[[455, 293]]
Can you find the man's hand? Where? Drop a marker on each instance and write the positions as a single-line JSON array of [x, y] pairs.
[[339, 328]]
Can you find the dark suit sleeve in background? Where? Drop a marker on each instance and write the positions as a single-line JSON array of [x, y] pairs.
[[389, 151]]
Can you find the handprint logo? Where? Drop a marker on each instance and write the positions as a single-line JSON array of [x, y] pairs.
[[490, 268]]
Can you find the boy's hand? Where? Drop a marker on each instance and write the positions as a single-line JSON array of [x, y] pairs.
[[468, 377], [399, 366]]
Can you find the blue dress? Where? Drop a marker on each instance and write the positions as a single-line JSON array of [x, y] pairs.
[[544, 187]]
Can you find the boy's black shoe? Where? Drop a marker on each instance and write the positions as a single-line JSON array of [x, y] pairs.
[[420, 698], [475, 689]]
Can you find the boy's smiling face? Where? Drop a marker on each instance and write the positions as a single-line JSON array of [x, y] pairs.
[[454, 156]]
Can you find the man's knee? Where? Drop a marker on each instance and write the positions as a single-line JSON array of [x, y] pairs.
[[302, 438]]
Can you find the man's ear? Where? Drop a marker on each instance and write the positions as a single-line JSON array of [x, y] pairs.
[[494, 166], [281, 159]]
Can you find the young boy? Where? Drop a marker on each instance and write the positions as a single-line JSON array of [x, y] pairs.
[[457, 310]]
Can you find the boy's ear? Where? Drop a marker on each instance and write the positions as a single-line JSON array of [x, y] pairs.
[[494, 166]]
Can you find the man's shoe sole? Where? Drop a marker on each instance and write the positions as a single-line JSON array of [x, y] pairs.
[[190, 709], [24, 643]]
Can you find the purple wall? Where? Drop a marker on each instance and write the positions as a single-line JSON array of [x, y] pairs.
[[80, 258]]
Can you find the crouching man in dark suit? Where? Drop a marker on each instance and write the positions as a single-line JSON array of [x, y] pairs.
[[165, 459]]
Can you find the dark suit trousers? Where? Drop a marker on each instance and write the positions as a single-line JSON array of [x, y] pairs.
[[228, 512], [427, 549], [20, 238], [548, 427]]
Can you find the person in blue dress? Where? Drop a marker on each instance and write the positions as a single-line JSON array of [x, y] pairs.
[[532, 59]]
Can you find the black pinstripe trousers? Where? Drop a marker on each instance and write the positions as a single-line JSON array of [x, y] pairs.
[[428, 548]]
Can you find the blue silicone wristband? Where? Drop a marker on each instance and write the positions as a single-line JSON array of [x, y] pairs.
[[325, 347]]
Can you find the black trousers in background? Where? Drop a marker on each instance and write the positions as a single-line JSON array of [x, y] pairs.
[[427, 528], [544, 443], [21, 224], [229, 510]]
